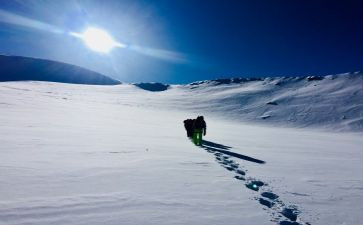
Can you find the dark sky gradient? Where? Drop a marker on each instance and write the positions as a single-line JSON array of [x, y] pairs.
[[218, 38]]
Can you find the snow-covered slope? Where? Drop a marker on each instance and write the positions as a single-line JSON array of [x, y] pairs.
[[81, 154], [18, 68], [332, 102]]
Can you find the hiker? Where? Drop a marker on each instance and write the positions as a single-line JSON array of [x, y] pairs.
[[188, 125], [199, 129]]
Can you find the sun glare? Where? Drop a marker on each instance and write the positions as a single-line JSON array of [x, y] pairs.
[[98, 40]]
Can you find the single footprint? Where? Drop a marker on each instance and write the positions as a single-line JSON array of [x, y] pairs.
[[289, 223], [265, 202], [241, 172], [290, 213], [239, 178], [254, 185], [270, 195]]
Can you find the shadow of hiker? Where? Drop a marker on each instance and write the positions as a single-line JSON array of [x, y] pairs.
[[215, 147]]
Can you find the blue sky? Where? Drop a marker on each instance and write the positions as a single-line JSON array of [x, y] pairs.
[[180, 41]]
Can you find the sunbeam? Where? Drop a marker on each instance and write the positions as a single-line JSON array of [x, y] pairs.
[[11, 18], [101, 41], [94, 38]]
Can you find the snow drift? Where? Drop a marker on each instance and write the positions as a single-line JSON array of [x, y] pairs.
[[18, 68]]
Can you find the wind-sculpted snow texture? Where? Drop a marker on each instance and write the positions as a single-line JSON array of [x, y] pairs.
[[17, 68], [90, 154]]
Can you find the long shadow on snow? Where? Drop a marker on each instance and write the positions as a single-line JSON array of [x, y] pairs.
[[215, 145], [211, 146]]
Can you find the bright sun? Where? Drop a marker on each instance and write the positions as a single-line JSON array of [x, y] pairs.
[[98, 40]]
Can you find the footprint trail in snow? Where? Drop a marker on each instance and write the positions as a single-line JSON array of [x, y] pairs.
[[281, 213]]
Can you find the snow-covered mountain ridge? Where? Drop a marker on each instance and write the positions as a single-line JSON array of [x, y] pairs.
[[19, 68], [334, 101]]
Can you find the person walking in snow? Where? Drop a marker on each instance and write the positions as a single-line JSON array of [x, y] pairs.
[[188, 125], [199, 129]]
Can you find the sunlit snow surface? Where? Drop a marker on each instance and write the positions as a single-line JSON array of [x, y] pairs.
[[79, 154]]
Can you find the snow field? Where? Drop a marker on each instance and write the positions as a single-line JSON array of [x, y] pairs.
[[78, 154]]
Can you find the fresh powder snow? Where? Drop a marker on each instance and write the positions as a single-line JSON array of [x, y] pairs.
[[277, 151]]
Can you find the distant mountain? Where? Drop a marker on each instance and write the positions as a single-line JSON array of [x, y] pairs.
[[18, 68], [152, 86]]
